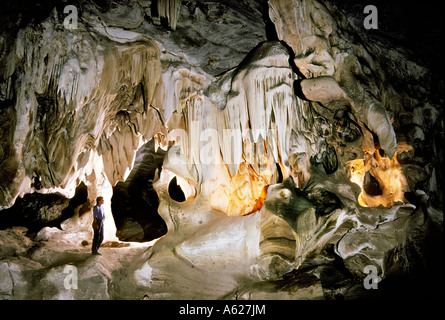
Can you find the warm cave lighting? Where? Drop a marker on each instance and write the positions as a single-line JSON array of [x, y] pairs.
[[245, 194], [380, 179]]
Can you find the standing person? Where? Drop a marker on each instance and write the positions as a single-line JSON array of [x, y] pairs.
[[98, 225]]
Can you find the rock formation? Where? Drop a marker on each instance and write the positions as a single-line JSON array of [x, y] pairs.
[[249, 150]]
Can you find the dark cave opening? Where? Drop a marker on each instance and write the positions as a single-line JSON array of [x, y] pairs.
[[175, 191], [371, 185], [36, 210], [279, 173], [135, 202]]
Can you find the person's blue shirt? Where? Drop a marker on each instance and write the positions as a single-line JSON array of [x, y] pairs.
[[98, 212]]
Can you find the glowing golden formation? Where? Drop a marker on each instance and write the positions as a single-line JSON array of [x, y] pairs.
[[245, 194], [387, 172]]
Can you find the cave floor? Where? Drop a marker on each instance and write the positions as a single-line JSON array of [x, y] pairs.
[[47, 269], [51, 269]]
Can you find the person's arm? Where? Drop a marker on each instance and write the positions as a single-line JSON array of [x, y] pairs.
[[96, 221]]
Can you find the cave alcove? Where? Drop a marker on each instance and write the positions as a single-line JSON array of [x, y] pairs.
[[175, 191], [35, 211], [135, 202]]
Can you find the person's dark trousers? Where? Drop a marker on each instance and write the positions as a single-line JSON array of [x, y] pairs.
[[98, 237]]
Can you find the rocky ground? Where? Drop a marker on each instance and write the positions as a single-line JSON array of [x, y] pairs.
[[45, 268], [53, 264]]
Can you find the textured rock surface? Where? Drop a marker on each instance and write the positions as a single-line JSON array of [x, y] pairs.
[[269, 150]]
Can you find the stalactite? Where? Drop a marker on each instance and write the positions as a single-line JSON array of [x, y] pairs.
[[169, 9]]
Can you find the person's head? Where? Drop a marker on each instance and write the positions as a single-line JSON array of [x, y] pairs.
[[100, 200]]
